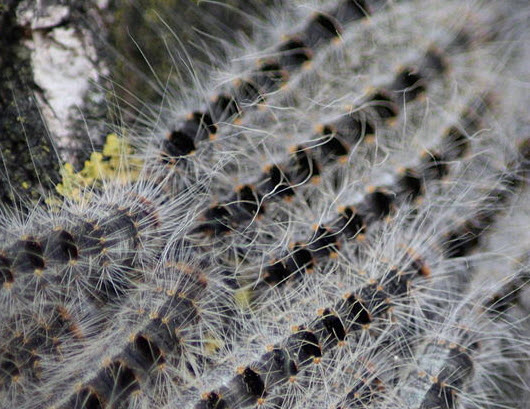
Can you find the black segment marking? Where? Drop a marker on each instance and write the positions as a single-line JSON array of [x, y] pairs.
[[247, 93], [269, 76], [6, 275], [223, 107], [409, 84], [332, 144], [306, 346], [178, 143], [355, 312], [351, 10], [383, 104], [276, 273], [31, 255], [320, 29], [410, 184], [333, 325], [378, 203], [350, 223], [212, 400], [303, 166], [293, 53], [253, 382], [276, 182], [198, 126]]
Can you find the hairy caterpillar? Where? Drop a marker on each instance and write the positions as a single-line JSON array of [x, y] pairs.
[[356, 313], [109, 232], [360, 311], [352, 222], [65, 277], [276, 115], [161, 337], [167, 315]]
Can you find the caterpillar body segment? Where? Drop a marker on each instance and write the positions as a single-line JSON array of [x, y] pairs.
[[440, 385], [459, 359], [38, 338]]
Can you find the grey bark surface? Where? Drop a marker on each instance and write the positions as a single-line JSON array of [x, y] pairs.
[[50, 101]]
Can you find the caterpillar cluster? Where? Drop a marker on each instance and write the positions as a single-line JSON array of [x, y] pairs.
[[315, 229]]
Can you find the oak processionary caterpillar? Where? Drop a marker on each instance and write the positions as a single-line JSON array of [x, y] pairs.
[[336, 218]]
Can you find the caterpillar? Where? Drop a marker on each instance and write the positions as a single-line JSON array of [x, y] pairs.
[[160, 338], [308, 343], [296, 239], [109, 233]]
